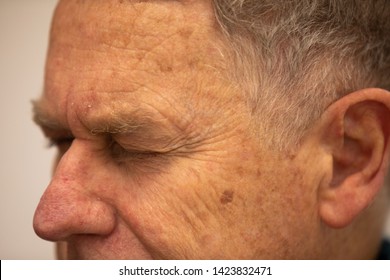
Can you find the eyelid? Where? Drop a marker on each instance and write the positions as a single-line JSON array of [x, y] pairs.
[[118, 151]]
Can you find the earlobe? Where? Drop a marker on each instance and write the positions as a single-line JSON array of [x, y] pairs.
[[358, 128]]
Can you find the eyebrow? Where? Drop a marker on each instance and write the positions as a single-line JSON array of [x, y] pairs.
[[115, 125], [42, 118]]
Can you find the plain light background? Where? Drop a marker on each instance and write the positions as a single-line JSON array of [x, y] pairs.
[[25, 161]]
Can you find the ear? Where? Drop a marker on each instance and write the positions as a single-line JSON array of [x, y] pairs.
[[355, 131]]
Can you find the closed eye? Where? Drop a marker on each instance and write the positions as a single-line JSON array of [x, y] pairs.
[[119, 152]]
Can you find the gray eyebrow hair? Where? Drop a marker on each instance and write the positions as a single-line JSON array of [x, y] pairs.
[[117, 125], [128, 123], [42, 118]]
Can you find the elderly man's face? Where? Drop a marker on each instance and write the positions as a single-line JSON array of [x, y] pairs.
[[163, 163]]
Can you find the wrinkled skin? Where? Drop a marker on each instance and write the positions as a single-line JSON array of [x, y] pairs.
[[163, 163]]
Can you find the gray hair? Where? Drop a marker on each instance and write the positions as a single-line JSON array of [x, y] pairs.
[[295, 57]]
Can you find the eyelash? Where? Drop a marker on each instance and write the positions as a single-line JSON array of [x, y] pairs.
[[61, 143], [119, 152]]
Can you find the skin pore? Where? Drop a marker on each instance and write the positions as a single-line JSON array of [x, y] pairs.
[[156, 155]]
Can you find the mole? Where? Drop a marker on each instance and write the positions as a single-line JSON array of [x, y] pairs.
[[227, 197]]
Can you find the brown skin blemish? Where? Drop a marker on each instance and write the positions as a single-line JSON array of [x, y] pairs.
[[186, 33], [227, 197], [166, 68], [291, 156]]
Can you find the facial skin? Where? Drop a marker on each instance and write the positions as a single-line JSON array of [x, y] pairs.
[[163, 164]]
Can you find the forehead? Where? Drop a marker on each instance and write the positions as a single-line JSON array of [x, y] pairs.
[[110, 56]]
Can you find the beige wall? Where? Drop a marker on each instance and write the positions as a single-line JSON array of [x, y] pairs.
[[25, 162]]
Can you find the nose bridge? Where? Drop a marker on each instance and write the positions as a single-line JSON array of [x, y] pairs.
[[69, 205], [73, 163]]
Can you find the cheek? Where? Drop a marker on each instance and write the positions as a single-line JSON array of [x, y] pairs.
[[290, 211], [187, 210], [167, 211], [207, 209]]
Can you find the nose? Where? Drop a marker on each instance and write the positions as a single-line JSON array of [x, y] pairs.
[[69, 205]]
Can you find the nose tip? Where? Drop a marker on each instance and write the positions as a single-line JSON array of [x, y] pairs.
[[65, 212]]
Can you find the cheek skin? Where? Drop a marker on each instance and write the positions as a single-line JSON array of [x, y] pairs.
[[215, 210], [183, 212]]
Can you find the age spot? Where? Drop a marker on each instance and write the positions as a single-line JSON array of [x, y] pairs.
[[227, 197]]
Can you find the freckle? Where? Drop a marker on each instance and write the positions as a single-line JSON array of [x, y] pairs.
[[166, 68], [291, 156], [140, 56], [227, 197], [258, 172], [193, 63], [186, 33]]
